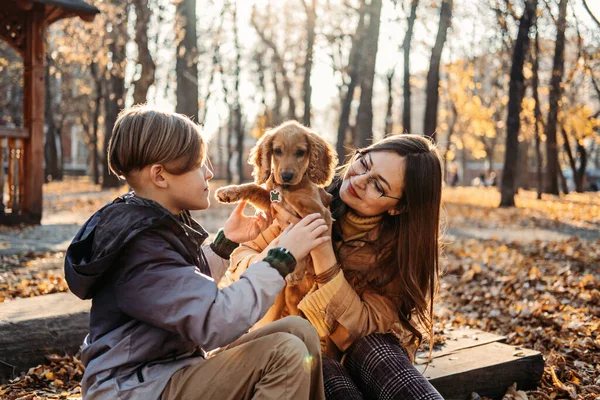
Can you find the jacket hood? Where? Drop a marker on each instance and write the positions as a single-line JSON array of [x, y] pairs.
[[102, 238]]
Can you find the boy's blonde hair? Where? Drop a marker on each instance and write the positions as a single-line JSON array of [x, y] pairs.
[[144, 136]]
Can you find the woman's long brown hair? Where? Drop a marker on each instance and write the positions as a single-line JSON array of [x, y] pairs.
[[408, 243]]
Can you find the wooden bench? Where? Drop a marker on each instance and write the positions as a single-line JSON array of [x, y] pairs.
[[469, 361], [32, 327], [475, 361]]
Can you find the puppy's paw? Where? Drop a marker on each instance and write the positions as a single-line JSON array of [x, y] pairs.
[[228, 194]]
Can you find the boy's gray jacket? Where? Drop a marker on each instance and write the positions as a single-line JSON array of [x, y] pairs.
[[155, 307]]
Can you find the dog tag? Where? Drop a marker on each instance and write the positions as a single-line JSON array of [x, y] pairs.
[[275, 196]]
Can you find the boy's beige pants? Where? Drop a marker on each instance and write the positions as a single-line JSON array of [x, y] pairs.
[[281, 361]]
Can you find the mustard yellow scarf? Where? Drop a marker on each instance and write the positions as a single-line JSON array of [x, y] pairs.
[[353, 226]]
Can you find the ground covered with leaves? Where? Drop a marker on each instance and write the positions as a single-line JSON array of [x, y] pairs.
[[543, 295]]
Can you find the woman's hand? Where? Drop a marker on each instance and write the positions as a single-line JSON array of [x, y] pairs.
[[301, 238], [240, 228]]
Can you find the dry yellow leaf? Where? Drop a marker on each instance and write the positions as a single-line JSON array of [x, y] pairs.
[[535, 273]]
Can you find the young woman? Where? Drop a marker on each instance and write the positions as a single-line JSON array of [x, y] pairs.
[[375, 281]]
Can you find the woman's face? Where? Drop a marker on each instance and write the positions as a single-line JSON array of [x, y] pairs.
[[370, 176]]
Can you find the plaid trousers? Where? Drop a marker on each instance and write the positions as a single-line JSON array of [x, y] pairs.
[[376, 367]]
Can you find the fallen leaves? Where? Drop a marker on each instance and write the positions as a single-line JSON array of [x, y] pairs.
[[513, 394], [31, 274], [543, 295], [539, 295], [478, 207], [57, 380]]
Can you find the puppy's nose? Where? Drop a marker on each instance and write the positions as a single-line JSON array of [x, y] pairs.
[[287, 176]]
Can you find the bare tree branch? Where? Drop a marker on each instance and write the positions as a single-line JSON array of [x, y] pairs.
[[587, 8], [268, 41], [550, 11]]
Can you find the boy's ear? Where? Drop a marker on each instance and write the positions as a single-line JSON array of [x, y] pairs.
[[157, 176]]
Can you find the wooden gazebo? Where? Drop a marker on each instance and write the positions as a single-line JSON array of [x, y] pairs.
[[23, 25]]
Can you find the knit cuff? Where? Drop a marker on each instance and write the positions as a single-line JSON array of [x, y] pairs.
[[222, 246], [282, 260], [314, 305]]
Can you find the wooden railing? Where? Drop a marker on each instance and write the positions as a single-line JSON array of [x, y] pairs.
[[12, 173]]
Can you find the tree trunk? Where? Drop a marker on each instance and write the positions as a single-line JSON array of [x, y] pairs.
[[215, 67], [287, 87], [230, 128], [93, 146], [277, 118], [389, 119], [61, 153], [490, 152], [554, 97], [50, 150], [513, 121], [364, 117], [311, 18], [580, 176], [237, 106], [524, 164], [260, 73], [239, 131], [464, 160], [433, 75], [355, 76], [148, 68], [537, 113], [451, 127], [187, 60], [569, 153], [563, 182], [406, 47], [115, 94], [220, 150]]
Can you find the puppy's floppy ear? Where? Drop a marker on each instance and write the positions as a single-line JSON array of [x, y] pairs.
[[322, 160], [260, 157]]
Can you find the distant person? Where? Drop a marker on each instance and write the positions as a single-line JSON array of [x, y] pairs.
[[478, 181], [492, 179], [156, 308], [455, 179]]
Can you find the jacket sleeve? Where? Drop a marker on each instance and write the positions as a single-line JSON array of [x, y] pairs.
[[217, 264], [217, 254], [156, 285], [337, 311], [248, 253]]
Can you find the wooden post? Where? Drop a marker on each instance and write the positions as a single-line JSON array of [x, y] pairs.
[[33, 113]]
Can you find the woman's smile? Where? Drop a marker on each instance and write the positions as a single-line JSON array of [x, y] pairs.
[[352, 191]]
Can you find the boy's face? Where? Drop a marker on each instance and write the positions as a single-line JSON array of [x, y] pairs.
[[190, 191]]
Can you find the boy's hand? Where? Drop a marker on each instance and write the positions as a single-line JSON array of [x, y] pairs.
[[240, 228], [302, 238]]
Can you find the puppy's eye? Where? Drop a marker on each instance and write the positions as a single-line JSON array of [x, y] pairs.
[[300, 153], [277, 152]]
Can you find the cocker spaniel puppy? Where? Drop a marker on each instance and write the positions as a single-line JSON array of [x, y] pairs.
[[293, 164]]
